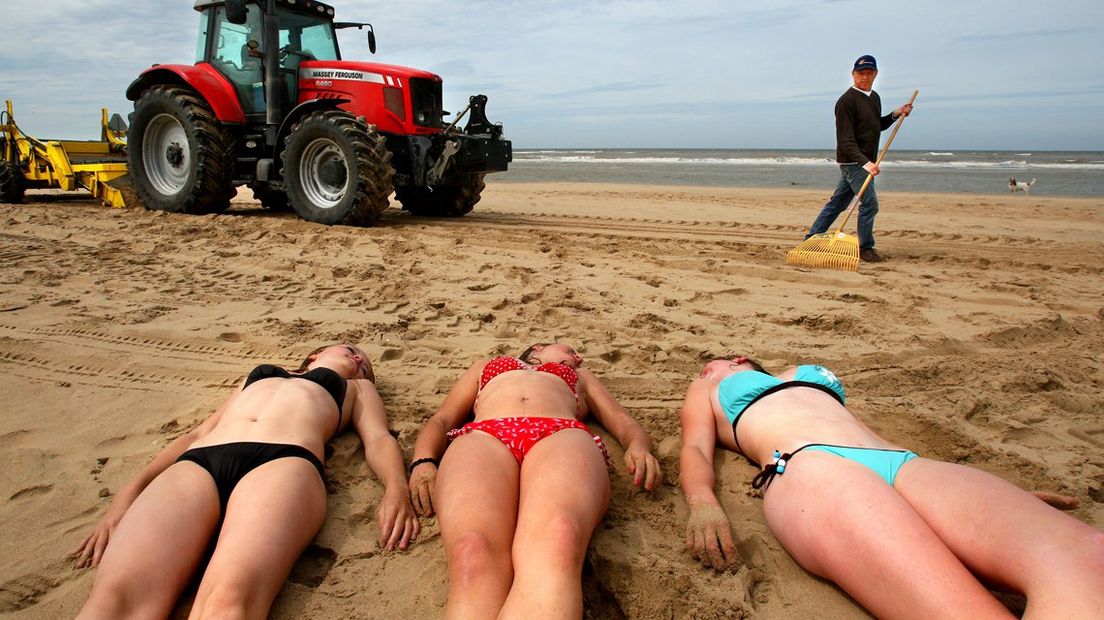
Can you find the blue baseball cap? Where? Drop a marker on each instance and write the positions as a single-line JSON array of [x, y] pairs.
[[865, 62]]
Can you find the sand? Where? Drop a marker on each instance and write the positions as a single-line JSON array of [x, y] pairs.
[[978, 342]]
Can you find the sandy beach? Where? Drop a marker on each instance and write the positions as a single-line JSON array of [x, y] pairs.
[[977, 342]]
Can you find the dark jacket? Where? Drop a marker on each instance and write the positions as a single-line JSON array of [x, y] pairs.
[[859, 124]]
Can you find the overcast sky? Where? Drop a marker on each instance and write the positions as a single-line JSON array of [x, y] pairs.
[[637, 73]]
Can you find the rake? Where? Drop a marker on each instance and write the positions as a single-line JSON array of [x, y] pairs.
[[837, 250]]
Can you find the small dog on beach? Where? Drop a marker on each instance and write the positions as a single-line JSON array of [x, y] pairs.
[[1019, 186]]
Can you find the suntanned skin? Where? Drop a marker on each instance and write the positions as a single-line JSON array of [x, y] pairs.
[[154, 533], [525, 562], [915, 549]]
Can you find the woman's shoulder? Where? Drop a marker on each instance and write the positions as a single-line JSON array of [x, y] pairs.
[[479, 365], [265, 371], [362, 390], [819, 369], [481, 362], [715, 371]]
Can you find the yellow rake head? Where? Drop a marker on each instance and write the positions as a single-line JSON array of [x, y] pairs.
[[828, 250]]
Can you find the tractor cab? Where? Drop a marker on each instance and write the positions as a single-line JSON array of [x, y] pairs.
[[233, 40]]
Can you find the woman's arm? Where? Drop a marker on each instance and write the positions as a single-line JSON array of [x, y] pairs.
[[708, 532], [639, 461], [397, 522], [431, 440], [92, 548]]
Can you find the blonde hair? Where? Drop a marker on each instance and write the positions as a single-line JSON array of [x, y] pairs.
[[370, 374]]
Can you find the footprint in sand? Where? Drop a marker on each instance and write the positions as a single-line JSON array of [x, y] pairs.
[[1088, 435], [25, 591], [391, 354], [33, 491], [395, 308], [13, 438]]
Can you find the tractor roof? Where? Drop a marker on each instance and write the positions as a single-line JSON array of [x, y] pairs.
[[300, 5]]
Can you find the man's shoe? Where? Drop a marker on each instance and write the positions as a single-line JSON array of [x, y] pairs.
[[871, 256]]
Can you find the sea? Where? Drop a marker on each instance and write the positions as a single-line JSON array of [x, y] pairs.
[[1056, 173]]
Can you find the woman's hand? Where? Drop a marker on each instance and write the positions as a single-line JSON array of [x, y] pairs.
[[709, 535], [399, 525], [91, 550], [423, 485], [643, 467]]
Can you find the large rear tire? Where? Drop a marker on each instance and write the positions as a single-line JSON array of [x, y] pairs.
[[180, 158], [11, 183], [337, 169], [453, 200]]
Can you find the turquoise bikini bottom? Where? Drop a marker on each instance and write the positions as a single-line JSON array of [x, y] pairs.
[[885, 463]]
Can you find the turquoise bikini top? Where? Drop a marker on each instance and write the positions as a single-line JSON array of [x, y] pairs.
[[741, 390]]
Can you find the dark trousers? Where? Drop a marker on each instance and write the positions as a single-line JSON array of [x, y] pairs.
[[852, 177]]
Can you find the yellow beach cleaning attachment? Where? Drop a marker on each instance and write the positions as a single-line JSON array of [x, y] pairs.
[[98, 166], [837, 250]]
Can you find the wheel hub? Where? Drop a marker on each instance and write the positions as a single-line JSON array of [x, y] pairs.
[[166, 155], [324, 173], [332, 172], [175, 155]]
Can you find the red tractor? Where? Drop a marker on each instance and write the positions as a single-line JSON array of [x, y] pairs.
[[270, 104]]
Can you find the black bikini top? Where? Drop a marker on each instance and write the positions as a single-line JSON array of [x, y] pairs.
[[330, 381]]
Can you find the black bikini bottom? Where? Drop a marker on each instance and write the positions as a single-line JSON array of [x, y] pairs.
[[228, 463]]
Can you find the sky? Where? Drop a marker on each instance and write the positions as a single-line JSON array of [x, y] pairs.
[[992, 75]]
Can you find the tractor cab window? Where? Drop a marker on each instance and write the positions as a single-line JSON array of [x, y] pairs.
[[303, 37], [234, 57]]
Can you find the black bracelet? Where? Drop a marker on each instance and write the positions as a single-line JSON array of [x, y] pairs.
[[428, 459]]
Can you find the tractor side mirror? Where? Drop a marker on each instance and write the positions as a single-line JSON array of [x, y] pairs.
[[235, 11], [360, 26]]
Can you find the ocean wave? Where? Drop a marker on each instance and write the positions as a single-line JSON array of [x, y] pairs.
[[994, 165], [581, 157], [731, 161], [947, 154]]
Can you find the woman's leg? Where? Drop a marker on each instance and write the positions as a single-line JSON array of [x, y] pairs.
[[477, 496], [1010, 538], [273, 514], [565, 491], [841, 521], [156, 547]]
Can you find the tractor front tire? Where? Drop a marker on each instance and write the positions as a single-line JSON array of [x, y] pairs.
[[180, 158], [11, 183], [451, 200], [337, 169]]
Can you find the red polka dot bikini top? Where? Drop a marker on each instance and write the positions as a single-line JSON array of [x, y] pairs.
[[502, 364]]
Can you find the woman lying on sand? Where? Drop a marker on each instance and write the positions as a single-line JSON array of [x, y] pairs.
[[251, 474], [905, 536], [522, 487]]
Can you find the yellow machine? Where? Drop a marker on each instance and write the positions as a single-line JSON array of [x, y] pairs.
[[97, 166]]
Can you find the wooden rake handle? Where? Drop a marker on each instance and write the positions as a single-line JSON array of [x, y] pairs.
[[870, 177]]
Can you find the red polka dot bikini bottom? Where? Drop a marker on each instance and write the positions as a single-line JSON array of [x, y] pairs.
[[520, 434]]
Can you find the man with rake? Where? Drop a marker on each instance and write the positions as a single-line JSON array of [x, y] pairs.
[[859, 124]]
